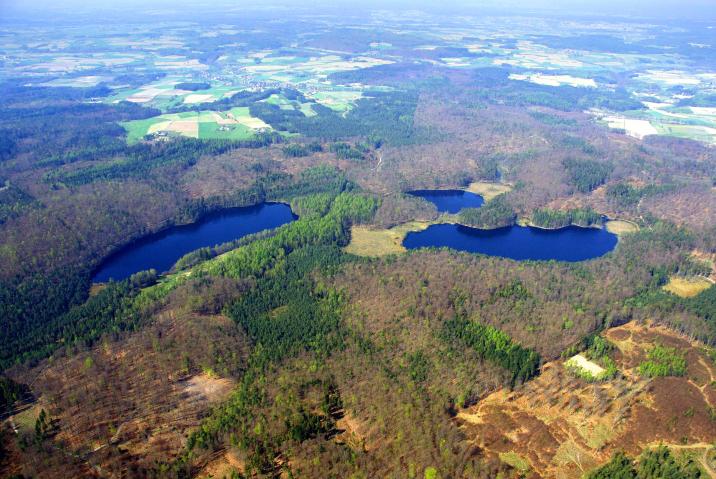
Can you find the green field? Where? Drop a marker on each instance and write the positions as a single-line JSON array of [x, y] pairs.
[[164, 95], [235, 124], [285, 104]]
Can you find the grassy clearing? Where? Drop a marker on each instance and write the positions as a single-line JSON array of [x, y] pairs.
[[340, 101], [488, 190], [136, 129], [381, 242], [515, 460], [596, 435], [214, 131], [687, 287], [620, 227], [25, 421], [692, 132]]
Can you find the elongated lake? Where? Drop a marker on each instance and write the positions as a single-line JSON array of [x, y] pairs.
[[518, 242], [161, 250]]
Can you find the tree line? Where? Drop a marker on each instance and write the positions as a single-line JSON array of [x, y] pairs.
[[496, 213], [548, 218]]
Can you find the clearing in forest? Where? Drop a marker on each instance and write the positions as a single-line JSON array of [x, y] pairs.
[[488, 190], [585, 364], [381, 242], [620, 227], [687, 287]]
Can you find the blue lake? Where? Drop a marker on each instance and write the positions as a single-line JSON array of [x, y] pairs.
[[450, 201], [517, 242], [161, 250]]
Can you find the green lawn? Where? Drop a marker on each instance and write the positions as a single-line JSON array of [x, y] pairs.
[[137, 129], [211, 130]]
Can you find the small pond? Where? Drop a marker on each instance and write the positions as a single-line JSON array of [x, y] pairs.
[[450, 201]]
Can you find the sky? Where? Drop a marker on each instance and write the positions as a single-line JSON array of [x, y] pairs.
[[662, 9]]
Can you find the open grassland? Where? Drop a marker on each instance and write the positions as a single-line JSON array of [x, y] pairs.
[[620, 227], [515, 460], [563, 426], [657, 121], [381, 242], [337, 100], [488, 190], [687, 287], [285, 104], [374, 243]]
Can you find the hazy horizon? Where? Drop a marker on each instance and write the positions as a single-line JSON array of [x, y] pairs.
[[701, 10]]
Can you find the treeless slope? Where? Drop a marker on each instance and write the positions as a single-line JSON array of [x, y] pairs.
[[564, 426]]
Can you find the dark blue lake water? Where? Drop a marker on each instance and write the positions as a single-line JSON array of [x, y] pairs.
[[161, 250], [517, 242], [450, 201]]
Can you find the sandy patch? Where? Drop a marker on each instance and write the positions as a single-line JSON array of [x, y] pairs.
[[211, 388], [705, 111], [555, 80], [583, 363], [251, 122], [145, 95], [198, 98], [670, 77], [188, 128], [175, 65], [161, 126], [185, 127], [220, 120], [634, 128], [224, 465]]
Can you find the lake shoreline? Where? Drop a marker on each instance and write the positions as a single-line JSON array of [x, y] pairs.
[[179, 227], [569, 244]]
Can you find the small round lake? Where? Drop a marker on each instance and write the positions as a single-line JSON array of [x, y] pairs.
[[450, 201], [517, 242], [161, 250]]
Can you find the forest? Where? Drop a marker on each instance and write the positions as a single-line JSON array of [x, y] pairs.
[[652, 464], [281, 353], [545, 218], [497, 213]]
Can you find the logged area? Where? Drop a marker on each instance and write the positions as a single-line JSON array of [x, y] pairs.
[[263, 241]]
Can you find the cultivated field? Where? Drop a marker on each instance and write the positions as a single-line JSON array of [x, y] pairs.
[[236, 124]]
